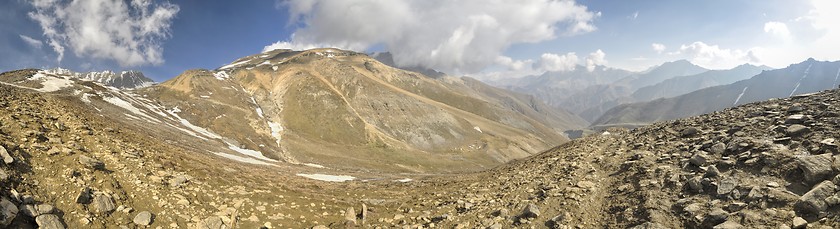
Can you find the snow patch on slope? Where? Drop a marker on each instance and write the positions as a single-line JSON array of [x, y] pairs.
[[221, 75], [328, 178], [276, 130], [739, 96], [248, 160], [251, 153], [800, 80], [234, 64], [116, 101], [51, 83]]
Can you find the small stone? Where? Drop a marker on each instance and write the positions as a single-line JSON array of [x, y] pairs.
[[773, 184], [143, 218], [531, 211], [726, 186], [320, 227], [45, 209], [84, 196], [212, 222], [90, 162], [795, 119], [178, 181], [687, 132], [717, 148], [28, 210], [103, 204], [8, 212], [49, 221], [728, 225], [350, 217], [696, 183], [717, 216], [799, 223], [712, 171], [797, 130], [699, 159], [7, 158]]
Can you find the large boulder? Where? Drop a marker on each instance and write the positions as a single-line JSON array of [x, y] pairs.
[[816, 168], [813, 202]]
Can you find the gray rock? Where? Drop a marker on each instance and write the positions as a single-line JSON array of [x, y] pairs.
[[350, 216], [212, 222], [49, 221], [90, 162], [717, 216], [813, 202], [103, 203], [728, 225], [29, 210], [178, 181], [84, 196], [530, 211], [712, 171], [649, 225], [717, 148], [795, 119], [726, 185], [45, 209], [696, 184], [799, 223], [699, 159], [8, 212], [687, 132], [143, 218], [816, 167], [7, 158], [797, 130]]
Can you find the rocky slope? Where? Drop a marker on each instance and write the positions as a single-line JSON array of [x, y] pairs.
[[769, 164], [344, 109]]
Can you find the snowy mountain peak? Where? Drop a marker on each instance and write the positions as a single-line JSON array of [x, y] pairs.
[[126, 79]]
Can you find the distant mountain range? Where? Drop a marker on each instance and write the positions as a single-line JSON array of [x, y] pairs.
[[124, 79], [805, 77]]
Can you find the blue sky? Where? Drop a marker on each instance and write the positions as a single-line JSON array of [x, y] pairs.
[[481, 38]]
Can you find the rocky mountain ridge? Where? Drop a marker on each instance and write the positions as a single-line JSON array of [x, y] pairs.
[[130, 79]]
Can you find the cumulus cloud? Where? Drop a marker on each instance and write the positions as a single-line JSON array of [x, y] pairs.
[[778, 29], [513, 65], [35, 43], [456, 36], [129, 33], [553, 62], [714, 57], [659, 48], [596, 58]]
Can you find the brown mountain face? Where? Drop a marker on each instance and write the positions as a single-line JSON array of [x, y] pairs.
[[345, 109]]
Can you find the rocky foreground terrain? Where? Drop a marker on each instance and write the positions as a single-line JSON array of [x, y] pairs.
[[768, 164]]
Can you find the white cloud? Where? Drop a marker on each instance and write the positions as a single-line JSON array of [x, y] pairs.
[[131, 34], [453, 36], [778, 29], [513, 65], [553, 62], [635, 15], [35, 43], [596, 58], [714, 57], [659, 48]]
